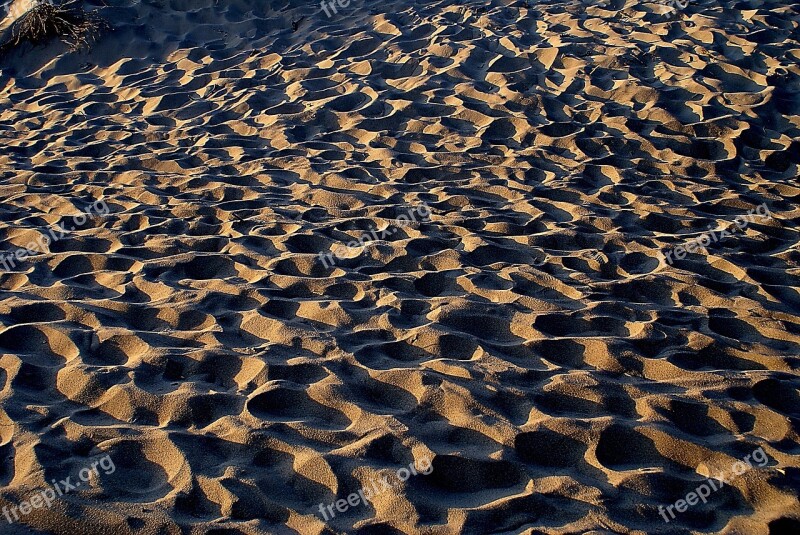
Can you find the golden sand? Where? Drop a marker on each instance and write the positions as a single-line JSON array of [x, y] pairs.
[[529, 337]]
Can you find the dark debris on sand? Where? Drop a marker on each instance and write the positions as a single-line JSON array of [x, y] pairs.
[[65, 21]]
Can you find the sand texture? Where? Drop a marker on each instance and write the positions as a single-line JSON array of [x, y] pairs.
[[528, 337]]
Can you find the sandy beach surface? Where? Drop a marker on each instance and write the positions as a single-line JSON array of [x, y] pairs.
[[490, 267]]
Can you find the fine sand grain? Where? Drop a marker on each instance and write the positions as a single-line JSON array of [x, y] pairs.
[[528, 337]]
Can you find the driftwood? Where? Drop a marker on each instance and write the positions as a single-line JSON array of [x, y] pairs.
[[65, 21]]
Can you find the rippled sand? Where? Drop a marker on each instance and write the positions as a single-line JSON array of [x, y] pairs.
[[529, 337]]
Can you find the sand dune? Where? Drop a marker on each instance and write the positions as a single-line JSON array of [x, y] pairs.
[[529, 337]]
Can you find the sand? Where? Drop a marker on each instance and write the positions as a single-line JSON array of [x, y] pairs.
[[529, 337]]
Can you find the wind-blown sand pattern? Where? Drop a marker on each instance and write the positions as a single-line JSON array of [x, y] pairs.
[[530, 338]]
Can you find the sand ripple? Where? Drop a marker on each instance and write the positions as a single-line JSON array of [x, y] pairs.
[[529, 338]]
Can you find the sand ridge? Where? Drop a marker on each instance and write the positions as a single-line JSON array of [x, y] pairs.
[[528, 337]]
